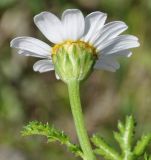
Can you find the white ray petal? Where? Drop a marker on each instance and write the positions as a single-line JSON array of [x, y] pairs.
[[31, 47], [110, 31], [57, 76], [73, 22], [43, 66], [108, 63], [50, 26], [27, 53], [127, 53], [93, 23], [119, 43]]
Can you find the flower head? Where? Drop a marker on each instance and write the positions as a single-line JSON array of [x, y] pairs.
[[75, 32]]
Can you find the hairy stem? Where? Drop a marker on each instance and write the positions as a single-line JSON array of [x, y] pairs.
[[74, 95]]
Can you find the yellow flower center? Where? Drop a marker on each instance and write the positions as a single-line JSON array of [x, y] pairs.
[[69, 44]]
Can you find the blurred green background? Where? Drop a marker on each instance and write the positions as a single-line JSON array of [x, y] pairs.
[[107, 97]]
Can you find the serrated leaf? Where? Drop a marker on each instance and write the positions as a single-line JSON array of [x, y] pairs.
[[121, 127], [104, 149], [36, 128], [124, 137], [141, 145], [129, 131], [52, 134], [119, 139]]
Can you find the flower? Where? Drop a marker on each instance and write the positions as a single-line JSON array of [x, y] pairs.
[[91, 32]]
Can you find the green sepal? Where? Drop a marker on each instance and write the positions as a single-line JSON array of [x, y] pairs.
[[52, 135], [73, 62]]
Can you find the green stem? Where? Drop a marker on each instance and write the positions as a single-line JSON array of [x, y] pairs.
[[74, 95]]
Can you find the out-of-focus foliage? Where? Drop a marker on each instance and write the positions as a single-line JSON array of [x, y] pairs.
[[107, 97]]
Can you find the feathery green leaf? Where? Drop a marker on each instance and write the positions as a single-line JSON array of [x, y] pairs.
[[142, 144], [104, 149], [52, 135], [124, 137]]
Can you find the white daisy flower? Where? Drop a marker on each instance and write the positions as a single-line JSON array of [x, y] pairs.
[[91, 31]]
